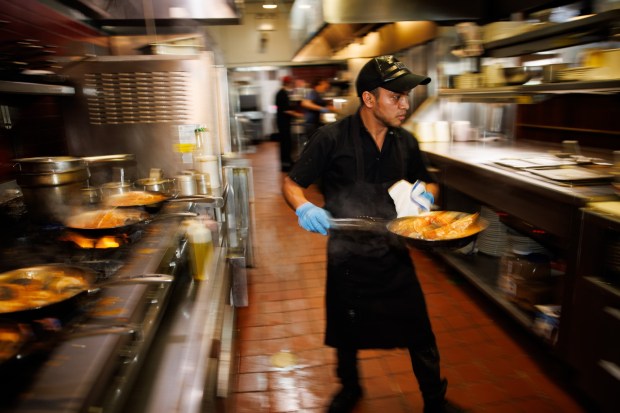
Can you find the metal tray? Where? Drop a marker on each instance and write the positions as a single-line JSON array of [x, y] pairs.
[[572, 174]]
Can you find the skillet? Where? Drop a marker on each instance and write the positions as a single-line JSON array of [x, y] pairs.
[[405, 228], [27, 292]]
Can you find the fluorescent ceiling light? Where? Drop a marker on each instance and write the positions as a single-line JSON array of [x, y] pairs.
[[270, 4]]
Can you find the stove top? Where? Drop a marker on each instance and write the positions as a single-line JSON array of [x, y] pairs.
[[94, 353]]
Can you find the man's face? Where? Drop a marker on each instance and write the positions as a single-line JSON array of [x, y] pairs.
[[323, 86], [390, 108]]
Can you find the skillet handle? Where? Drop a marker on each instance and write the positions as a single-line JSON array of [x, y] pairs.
[[137, 279], [203, 199], [358, 224]]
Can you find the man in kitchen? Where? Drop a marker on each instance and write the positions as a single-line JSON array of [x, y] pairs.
[[373, 297], [314, 104], [284, 117]]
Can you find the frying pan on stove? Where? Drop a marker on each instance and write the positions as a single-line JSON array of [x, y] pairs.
[[113, 220], [153, 201], [28, 292], [102, 221]]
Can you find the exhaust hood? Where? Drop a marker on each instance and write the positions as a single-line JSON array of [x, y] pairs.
[[114, 15], [386, 11]]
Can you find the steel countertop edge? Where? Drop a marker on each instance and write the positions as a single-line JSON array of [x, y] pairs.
[[480, 155]]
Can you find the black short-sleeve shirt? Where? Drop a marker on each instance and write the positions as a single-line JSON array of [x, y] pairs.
[[330, 157]]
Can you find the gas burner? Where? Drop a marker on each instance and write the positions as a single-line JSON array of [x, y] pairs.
[[97, 242]]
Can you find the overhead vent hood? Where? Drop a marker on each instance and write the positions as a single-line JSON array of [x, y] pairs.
[[125, 16], [385, 11], [342, 29]]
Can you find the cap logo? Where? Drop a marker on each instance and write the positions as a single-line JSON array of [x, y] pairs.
[[393, 70]]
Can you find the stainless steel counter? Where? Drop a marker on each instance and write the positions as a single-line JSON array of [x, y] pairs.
[[180, 373], [533, 206], [482, 155], [468, 167]]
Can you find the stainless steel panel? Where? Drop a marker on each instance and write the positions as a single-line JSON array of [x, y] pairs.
[[134, 104]]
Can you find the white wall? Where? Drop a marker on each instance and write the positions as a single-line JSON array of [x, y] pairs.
[[240, 45]]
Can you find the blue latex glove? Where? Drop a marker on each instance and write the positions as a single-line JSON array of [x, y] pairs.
[[428, 196], [312, 218], [324, 110], [421, 197]]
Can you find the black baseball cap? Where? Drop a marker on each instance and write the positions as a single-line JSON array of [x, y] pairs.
[[389, 73]]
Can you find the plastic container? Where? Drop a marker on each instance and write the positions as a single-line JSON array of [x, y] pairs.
[[201, 249], [209, 165]]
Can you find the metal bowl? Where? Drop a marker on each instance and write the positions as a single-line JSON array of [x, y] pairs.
[[164, 186]]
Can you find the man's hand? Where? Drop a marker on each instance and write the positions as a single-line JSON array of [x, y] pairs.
[[312, 218]]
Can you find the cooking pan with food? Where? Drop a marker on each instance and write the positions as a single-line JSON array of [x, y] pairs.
[[114, 220], [20, 339], [437, 229], [153, 201], [28, 292]]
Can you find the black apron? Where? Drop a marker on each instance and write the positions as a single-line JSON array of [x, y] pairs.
[[373, 297]]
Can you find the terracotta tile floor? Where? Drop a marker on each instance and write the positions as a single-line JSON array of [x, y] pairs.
[[283, 366]]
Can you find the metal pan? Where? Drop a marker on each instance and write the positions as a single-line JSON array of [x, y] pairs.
[[413, 230], [26, 291], [106, 220], [153, 201], [114, 220], [424, 232]]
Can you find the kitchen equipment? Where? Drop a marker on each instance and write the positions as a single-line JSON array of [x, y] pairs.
[[403, 228], [209, 165], [460, 130], [49, 184], [26, 290], [113, 188], [162, 185], [153, 201], [21, 339], [572, 175], [105, 221], [550, 72], [202, 183], [90, 195], [521, 74], [186, 184], [153, 247]]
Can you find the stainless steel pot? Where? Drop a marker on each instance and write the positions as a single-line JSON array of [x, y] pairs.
[[49, 184], [162, 185]]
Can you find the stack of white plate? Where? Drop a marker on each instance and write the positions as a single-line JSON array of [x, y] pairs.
[[493, 240], [523, 244]]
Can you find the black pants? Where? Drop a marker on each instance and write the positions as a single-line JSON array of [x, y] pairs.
[[284, 134], [425, 365]]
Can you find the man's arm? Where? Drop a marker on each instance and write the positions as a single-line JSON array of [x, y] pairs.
[[293, 193], [311, 217]]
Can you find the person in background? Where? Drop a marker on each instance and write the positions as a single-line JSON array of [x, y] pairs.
[[373, 297], [284, 115], [314, 104]]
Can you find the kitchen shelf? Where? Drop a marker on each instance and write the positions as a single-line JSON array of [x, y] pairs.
[[598, 27], [482, 271], [533, 93], [26, 88]]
